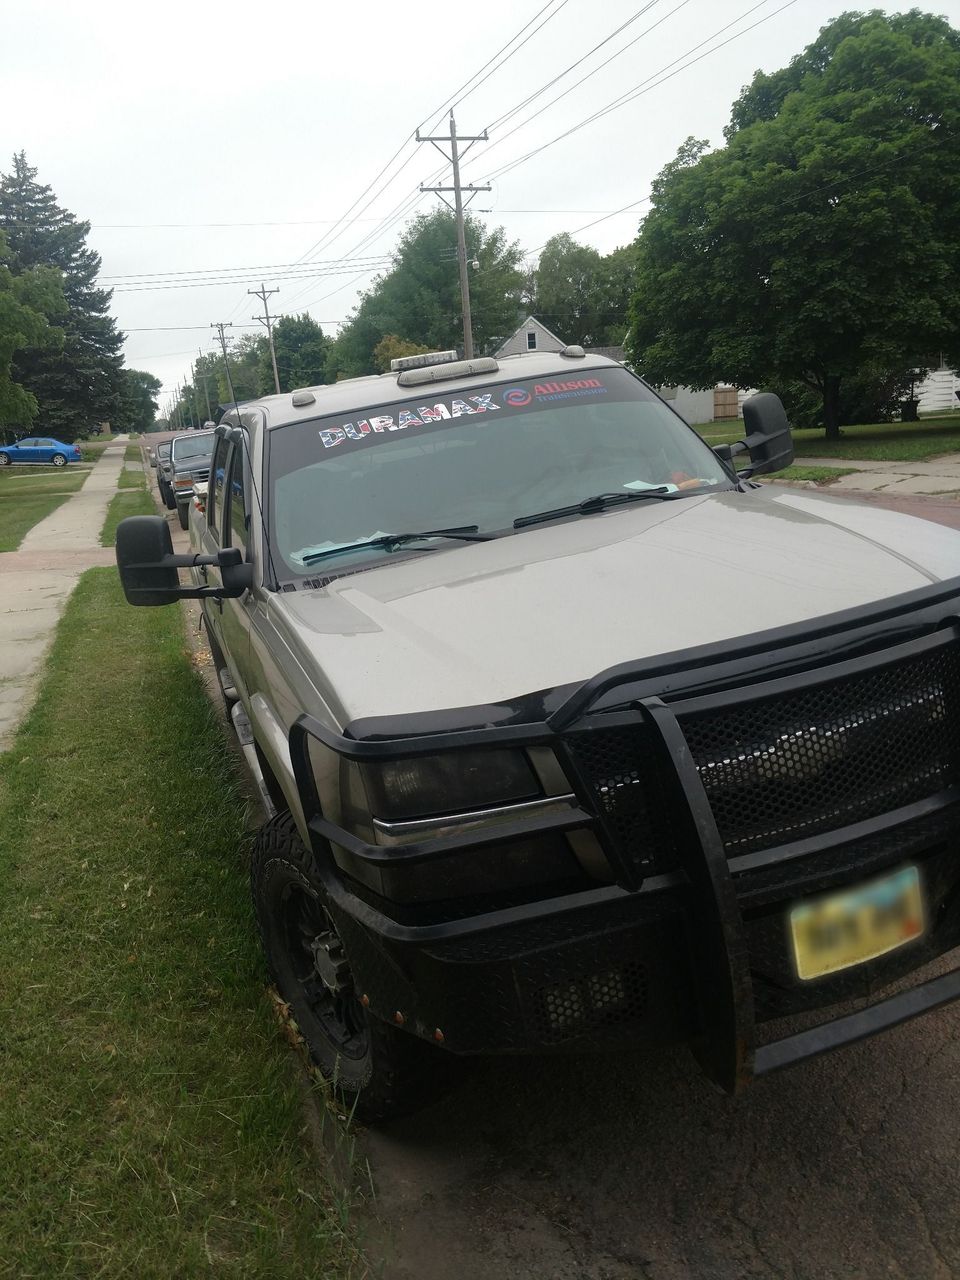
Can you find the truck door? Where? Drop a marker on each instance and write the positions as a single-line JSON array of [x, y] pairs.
[[209, 535], [233, 523]]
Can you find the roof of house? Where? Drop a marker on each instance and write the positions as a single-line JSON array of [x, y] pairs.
[[531, 322], [611, 353]]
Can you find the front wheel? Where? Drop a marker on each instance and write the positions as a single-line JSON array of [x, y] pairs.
[[183, 515], [381, 1072], [58, 460]]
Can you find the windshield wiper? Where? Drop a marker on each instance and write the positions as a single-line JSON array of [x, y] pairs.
[[599, 502], [393, 541]]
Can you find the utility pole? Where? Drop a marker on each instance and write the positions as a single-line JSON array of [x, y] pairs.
[[226, 363], [263, 293], [206, 389], [458, 207], [193, 392]]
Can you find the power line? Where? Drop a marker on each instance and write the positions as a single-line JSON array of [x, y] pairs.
[[223, 271], [458, 99], [639, 90], [232, 280], [576, 84], [573, 66], [458, 93]]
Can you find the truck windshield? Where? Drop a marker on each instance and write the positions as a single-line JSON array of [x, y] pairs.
[[192, 447], [480, 455]]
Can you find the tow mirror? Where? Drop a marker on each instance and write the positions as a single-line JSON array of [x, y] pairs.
[[148, 566], [768, 439]]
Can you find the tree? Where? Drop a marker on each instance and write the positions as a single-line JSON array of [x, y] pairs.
[[822, 241], [302, 350], [581, 295], [138, 401], [27, 304], [394, 348], [420, 296], [79, 383]]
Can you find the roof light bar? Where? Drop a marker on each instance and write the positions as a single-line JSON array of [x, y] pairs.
[[418, 362]]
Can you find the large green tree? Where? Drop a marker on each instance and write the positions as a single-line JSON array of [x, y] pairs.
[[824, 239], [138, 401], [302, 350], [80, 383], [419, 298], [581, 295], [28, 302]]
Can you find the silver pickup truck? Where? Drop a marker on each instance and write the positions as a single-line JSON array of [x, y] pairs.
[[575, 735]]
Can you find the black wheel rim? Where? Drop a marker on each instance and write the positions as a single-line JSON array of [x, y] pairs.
[[336, 1015]]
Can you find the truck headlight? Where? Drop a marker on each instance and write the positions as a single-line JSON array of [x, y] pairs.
[[426, 786]]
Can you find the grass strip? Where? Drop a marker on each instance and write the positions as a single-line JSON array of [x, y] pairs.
[[153, 1115], [132, 480], [20, 512], [62, 481], [819, 475], [128, 502], [132, 453], [876, 441]]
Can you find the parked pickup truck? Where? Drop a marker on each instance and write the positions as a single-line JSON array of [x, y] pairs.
[[189, 463], [576, 737]]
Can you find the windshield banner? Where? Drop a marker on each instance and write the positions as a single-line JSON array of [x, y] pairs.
[[523, 397]]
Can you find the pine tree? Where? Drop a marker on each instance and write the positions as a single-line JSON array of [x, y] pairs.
[[82, 382]]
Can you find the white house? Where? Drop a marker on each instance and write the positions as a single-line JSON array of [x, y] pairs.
[[531, 335]]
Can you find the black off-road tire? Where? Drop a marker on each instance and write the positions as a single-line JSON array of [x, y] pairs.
[[389, 1072], [183, 515], [169, 501]]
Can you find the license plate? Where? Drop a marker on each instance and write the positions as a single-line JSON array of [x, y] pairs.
[[848, 928]]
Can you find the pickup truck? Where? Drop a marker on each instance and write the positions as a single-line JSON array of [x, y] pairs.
[[189, 463], [575, 736]]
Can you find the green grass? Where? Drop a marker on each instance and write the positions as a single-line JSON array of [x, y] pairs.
[[132, 480], [128, 502], [819, 475], [19, 512], [879, 441], [132, 453], [153, 1120], [63, 481]]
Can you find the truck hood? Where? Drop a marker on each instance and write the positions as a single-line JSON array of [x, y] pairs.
[[483, 623]]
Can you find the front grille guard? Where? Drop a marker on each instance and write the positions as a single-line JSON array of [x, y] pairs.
[[727, 1045]]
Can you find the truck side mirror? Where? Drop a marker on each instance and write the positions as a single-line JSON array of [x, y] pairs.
[[143, 544], [148, 567], [768, 438]]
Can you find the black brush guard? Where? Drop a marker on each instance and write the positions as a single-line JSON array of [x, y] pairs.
[[660, 695]]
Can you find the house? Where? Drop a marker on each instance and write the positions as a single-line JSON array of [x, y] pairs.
[[531, 335]]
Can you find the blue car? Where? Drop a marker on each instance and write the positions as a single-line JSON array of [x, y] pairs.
[[38, 449]]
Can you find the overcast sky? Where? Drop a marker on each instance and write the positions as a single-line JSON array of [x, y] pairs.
[[270, 120]]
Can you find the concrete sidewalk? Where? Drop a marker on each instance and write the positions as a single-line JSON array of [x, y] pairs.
[[36, 581], [937, 475]]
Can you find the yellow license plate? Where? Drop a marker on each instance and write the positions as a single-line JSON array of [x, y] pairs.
[[848, 928]]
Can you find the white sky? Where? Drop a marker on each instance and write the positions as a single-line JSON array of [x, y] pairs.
[[281, 114]]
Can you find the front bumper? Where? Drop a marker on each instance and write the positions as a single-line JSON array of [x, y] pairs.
[[689, 942]]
